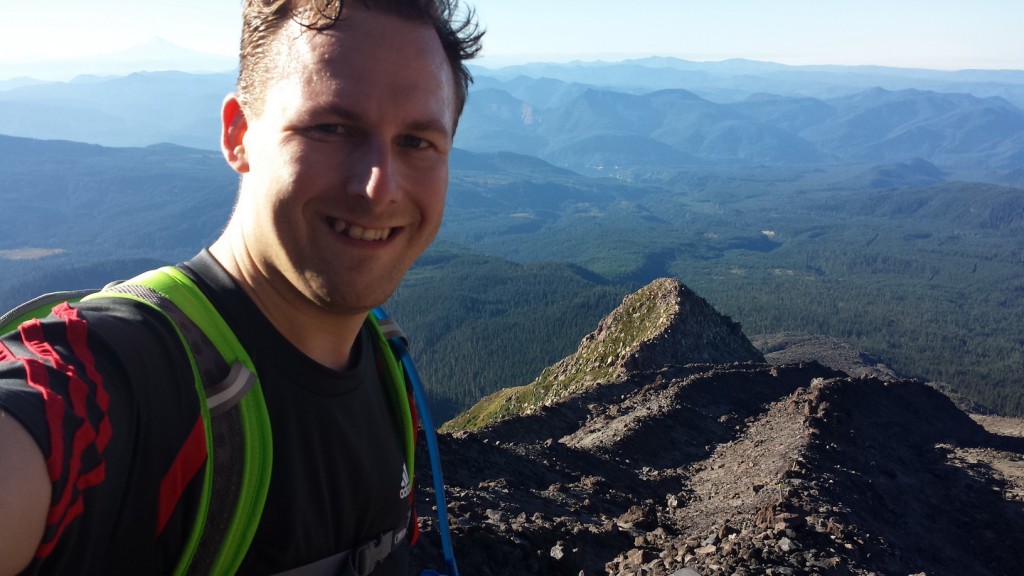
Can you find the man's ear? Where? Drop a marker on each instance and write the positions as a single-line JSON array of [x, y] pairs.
[[233, 126]]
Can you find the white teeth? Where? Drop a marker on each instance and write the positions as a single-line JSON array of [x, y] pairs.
[[359, 233]]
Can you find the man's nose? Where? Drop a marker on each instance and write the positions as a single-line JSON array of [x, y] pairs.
[[373, 173]]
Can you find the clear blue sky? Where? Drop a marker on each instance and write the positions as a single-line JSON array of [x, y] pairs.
[[945, 34]]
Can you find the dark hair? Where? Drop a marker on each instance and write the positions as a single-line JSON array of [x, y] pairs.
[[262, 20]]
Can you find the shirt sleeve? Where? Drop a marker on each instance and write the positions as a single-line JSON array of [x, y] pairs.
[[50, 384], [88, 383]]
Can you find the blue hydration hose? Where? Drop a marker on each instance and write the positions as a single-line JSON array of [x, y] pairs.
[[398, 344]]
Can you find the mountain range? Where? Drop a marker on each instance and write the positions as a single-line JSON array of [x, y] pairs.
[[604, 132], [736, 79], [880, 206], [615, 118]]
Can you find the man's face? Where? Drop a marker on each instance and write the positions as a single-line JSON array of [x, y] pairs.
[[346, 165]]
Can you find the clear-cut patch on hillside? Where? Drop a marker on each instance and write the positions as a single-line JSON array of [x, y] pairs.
[[29, 253]]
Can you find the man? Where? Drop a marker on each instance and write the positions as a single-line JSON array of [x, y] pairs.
[[341, 128]]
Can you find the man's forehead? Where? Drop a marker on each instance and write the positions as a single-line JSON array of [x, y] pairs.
[[359, 46], [297, 42]]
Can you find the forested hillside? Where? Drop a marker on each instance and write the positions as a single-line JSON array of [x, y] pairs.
[[928, 279]]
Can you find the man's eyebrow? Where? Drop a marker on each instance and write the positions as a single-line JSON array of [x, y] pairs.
[[420, 125], [429, 126], [341, 112]]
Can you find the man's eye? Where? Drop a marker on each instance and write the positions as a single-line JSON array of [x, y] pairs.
[[327, 128], [410, 141]]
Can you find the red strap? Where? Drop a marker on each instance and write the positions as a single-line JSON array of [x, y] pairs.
[[187, 464]]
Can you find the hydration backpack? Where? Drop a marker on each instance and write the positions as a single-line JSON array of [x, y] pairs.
[[240, 464]]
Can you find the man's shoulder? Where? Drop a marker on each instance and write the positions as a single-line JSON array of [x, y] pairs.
[[123, 323], [56, 320], [112, 339]]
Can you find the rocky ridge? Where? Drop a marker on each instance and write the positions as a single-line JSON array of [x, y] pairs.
[[662, 324], [693, 456]]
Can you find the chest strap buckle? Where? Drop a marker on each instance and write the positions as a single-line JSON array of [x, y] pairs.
[[366, 558]]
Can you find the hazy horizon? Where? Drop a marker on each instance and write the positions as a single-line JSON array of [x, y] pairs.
[[159, 54], [935, 35]]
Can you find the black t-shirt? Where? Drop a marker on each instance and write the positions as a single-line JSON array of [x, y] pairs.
[[120, 403]]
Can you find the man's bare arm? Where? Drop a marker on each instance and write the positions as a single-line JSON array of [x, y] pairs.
[[24, 496]]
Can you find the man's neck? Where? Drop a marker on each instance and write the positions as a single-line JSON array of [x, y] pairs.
[[325, 337]]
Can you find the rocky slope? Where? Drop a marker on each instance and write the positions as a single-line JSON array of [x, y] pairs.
[[667, 445]]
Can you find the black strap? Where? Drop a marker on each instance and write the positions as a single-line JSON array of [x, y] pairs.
[[359, 561]]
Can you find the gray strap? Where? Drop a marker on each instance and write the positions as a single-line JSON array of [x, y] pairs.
[[359, 561], [391, 329], [222, 396], [211, 364], [48, 300]]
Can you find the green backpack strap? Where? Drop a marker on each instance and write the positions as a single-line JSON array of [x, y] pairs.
[[234, 413], [398, 391]]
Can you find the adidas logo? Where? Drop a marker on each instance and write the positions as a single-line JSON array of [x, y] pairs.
[[406, 485]]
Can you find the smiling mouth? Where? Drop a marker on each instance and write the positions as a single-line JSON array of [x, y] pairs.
[[357, 232]]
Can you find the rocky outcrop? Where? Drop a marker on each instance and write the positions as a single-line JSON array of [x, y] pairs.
[[793, 347], [663, 324], [727, 467]]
